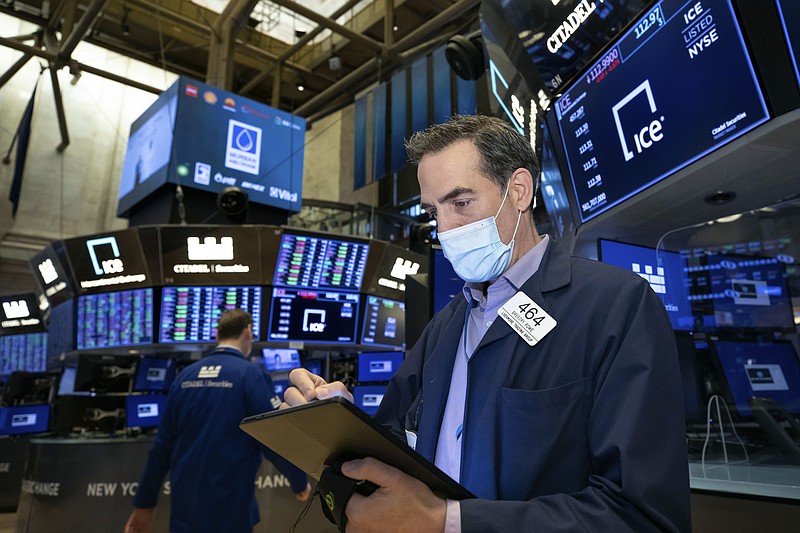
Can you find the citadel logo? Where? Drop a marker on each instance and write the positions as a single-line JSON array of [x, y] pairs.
[[648, 135], [16, 309], [210, 250], [48, 271]]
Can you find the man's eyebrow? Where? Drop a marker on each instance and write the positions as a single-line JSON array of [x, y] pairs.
[[455, 193]]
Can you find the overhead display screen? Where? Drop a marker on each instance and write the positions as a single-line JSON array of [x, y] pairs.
[[395, 265], [789, 11], [50, 275], [320, 263], [190, 314], [27, 352], [114, 319], [202, 137], [384, 322], [108, 261], [20, 313], [327, 317], [665, 271], [198, 255], [675, 87]]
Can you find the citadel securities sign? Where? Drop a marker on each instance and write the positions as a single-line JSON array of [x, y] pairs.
[[570, 25]]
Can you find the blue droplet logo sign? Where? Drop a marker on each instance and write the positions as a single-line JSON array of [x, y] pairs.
[[243, 147]]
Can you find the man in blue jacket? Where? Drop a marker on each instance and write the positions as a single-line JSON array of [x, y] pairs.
[[212, 463], [550, 389]]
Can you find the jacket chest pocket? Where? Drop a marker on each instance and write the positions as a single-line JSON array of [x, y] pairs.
[[543, 440]]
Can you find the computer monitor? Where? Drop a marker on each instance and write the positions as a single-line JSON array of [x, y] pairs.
[[663, 270], [369, 397], [384, 322], [144, 410], [280, 359], [316, 262], [190, 314], [26, 388], [115, 319], [25, 419], [378, 366], [154, 374], [313, 316], [105, 373], [26, 352], [769, 370], [77, 414]]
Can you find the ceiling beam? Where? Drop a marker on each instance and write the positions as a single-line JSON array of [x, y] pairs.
[[69, 43]]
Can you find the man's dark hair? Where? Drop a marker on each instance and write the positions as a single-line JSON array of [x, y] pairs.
[[232, 323], [502, 149]]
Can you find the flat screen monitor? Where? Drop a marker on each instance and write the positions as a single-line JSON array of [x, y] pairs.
[[378, 366], [24, 388], [769, 370], [313, 316], [314, 366], [369, 397], [665, 271], [105, 373], [313, 262], [20, 313], [77, 414], [24, 419], [190, 314], [280, 386], [61, 328], [789, 11], [154, 374], [144, 410], [244, 144], [628, 122], [115, 319], [744, 292], [66, 386], [26, 352], [384, 322], [280, 359]]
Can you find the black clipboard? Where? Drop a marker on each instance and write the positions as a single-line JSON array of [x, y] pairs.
[[334, 430]]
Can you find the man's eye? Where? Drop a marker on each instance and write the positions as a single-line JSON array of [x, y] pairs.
[[461, 203]]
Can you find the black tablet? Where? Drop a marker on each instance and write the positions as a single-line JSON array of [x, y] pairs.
[[334, 430]]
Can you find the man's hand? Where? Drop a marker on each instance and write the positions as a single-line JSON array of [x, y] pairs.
[[305, 495], [401, 504], [140, 521], [309, 387]]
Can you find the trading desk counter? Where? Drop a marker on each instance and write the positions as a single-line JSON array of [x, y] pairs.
[[88, 485]]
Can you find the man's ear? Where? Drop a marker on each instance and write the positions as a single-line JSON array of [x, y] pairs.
[[522, 185]]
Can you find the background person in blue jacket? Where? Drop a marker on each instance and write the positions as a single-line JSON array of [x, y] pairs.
[[550, 389], [212, 463]]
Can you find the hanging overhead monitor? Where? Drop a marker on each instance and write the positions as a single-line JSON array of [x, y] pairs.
[[676, 86], [108, 262], [190, 314], [26, 352], [20, 313], [202, 137], [384, 322], [115, 319]]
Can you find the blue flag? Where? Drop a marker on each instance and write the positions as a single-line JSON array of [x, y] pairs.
[[23, 136]]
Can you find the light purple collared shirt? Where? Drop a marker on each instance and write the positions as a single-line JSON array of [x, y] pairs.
[[482, 314]]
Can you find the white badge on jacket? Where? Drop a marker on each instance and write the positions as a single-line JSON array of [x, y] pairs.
[[530, 321]]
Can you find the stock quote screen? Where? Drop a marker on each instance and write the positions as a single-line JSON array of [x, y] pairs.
[[320, 263], [190, 314], [113, 319], [384, 322], [678, 85], [26, 352]]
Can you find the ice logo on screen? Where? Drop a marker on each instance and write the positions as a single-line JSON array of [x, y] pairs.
[[210, 250], [110, 266], [243, 148], [17, 309], [48, 271], [314, 320], [648, 135]]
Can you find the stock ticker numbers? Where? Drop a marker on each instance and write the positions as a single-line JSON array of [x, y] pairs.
[[314, 262], [190, 314]]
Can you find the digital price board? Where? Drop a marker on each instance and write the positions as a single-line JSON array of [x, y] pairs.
[[384, 322], [190, 314], [320, 263], [26, 352], [676, 86], [327, 317], [123, 318]]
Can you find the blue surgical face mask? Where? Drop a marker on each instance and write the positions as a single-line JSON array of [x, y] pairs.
[[476, 251]]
